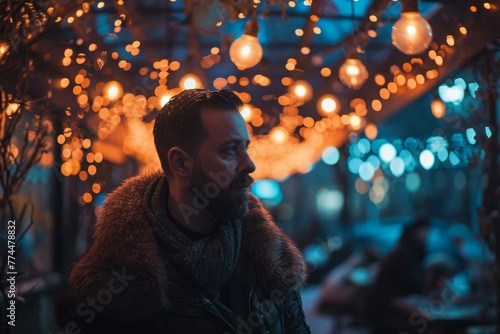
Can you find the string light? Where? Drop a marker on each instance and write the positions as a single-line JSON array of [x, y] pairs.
[[438, 108], [246, 52], [411, 34], [302, 90], [113, 90], [278, 135], [353, 73], [190, 81], [327, 105]]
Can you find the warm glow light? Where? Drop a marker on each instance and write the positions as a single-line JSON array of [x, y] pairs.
[[4, 48], [328, 104], [355, 121], [12, 108], [352, 70], [438, 108], [164, 99], [392, 87], [384, 93], [64, 82], [450, 40], [113, 90], [411, 83], [302, 90], [371, 131], [376, 105], [190, 81], [246, 112], [400, 80], [379, 79], [325, 72], [246, 51], [278, 135], [411, 34], [353, 73], [87, 198]]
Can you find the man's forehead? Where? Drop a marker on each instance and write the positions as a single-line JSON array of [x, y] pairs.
[[223, 123]]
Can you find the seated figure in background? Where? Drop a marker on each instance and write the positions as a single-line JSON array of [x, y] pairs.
[[401, 274]]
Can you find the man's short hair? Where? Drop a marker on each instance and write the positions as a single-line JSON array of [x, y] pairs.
[[179, 123]]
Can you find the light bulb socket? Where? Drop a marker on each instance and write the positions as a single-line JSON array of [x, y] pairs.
[[409, 6], [252, 27], [352, 53]]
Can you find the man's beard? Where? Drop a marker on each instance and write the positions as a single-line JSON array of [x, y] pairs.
[[231, 202]]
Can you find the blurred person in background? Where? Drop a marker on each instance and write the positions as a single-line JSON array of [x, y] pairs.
[[401, 273]]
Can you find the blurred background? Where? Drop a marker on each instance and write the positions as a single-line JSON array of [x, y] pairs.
[[365, 117]]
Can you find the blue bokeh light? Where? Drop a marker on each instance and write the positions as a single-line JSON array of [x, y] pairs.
[[426, 159], [353, 164], [366, 171], [470, 133], [268, 190], [453, 94], [397, 167], [387, 152], [331, 155]]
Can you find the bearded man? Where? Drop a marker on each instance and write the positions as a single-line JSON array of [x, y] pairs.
[[190, 250]]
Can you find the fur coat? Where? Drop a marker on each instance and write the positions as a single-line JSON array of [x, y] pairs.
[[125, 282]]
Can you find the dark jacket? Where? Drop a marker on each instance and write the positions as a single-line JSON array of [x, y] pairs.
[[126, 282]]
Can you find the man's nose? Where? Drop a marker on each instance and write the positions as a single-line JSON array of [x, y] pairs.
[[247, 164]]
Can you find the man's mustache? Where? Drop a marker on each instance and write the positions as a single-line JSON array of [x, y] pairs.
[[243, 181]]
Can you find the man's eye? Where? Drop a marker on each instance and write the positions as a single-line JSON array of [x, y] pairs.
[[231, 149]]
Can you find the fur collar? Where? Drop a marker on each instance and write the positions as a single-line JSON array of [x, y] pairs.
[[124, 241]]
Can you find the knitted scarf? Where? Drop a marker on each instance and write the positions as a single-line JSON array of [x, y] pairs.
[[209, 263]]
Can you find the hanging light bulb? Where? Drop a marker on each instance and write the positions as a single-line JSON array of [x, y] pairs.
[[411, 34], [246, 52], [190, 81], [353, 72]]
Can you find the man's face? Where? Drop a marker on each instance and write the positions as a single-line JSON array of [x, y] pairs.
[[222, 165]]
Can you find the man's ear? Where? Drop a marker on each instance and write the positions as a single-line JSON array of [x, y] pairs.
[[180, 162]]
